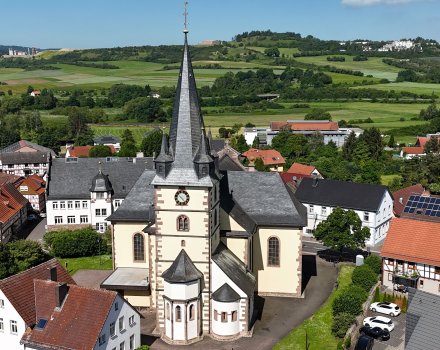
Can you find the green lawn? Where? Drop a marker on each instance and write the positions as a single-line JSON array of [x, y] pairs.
[[387, 179], [318, 327], [138, 130], [103, 262]]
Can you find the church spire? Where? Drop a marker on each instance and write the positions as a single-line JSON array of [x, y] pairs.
[[164, 160]]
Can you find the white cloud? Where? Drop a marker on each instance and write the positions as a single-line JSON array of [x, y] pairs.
[[374, 2]]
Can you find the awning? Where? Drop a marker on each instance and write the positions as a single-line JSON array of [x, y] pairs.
[[127, 278]]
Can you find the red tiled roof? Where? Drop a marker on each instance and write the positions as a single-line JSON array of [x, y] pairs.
[[279, 125], [83, 151], [9, 178], [421, 141], [298, 168], [401, 197], [11, 202], [35, 186], [268, 156], [305, 125], [413, 150], [19, 289], [79, 322], [413, 240]]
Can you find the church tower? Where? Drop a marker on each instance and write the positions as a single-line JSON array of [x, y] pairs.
[[186, 199]]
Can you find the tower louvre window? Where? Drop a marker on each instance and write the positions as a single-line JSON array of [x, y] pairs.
[[183, 223]]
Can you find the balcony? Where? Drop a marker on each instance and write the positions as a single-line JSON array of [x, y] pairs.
[[408, 280]]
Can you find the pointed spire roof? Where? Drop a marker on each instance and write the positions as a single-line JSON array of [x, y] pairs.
[[225, 294], [164, 155], [213, 152], [182, 270], [202, 155]]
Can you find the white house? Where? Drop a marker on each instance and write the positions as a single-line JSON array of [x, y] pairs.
[[85, 191], [373, 204], [108, 140]]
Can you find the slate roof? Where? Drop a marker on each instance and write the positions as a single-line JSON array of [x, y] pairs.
[[226, 163], [101, 183], [77, 324], [225, 294], [260, 198], [401, 197], [343, 194], [422, 321], [74, 179], [218, 144], [106, 139], [137, 205], [413, 240], [182, 270], [24, 157], [235, 269], [15, 147], [19, 289]]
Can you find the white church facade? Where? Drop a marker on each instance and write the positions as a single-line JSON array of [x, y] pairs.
[[195, 244]]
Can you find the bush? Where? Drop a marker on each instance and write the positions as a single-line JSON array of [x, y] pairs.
[[404, 304], [374, 262], [73, 244], [347, 343], [349, 301], [27, 254], [143, 347], [341, 324], [365, 277], [376, 297]]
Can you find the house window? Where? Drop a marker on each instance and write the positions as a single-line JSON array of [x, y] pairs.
[[309, 231], [182, 223], [324, 211], [69, 204], [122, 346], [121, 324], [97, 212], [117, 203], [437, 270], [178, 314], [99, 195], [112, 329], [101, 339], [84, 204], [234, 316], [83, 219], [273, 252], [132, 342], [366, 216], [77, 205], [224, 317], [70, 219], [2, 327], [62, 205], [2, 303], [191, 312], [167, 311], [131, 320], [421, 284], [182, 243], [138, 247], [104, 212], [58, 219], [14, 328], [311, 209], [215, 315], [55, 205], [390, 276]]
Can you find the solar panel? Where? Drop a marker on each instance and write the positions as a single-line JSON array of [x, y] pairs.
[[411, 198], [438, 214], [437, 201], [433, 213], [411, 210], [430, 206], [423, 205], [406, 210]]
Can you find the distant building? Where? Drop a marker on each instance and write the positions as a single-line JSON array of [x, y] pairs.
[[401, 197], [304, 170], [24, 146], [270, 157], [399, 45], [418, 149], [83, 151], [33, 188], [108, 140], [35, 93], [210, 42], [13, 212]]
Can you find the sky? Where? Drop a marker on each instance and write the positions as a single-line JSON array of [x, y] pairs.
[[111, 23]]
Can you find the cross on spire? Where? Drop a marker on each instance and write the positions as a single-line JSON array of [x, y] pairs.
[[185, 30]]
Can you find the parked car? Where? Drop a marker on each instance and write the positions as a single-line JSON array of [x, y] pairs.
[[43, 215], [375, 332], [401, 288], [386, 308], [379, 321], [32, 217], [364, 343]]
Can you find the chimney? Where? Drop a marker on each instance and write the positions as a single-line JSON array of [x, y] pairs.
[[52, 274], [140, 155], [61, 292]]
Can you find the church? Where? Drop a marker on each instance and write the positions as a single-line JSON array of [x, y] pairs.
[[196, 244]]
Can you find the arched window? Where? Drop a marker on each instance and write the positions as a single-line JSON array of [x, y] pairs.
[[168, 311], [138, 247], [234, 316], [182, 243], [273, 252], [191, 312], [182, 223], [178, 314], [224, 317]]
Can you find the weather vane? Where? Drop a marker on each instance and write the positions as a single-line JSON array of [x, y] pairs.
[[186, 17]]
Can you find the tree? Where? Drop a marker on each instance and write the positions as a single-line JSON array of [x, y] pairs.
[[151, 143], [341, 324], [128, 145], [391, 142], [100, 151], [318, 114], [8, 136], [127, 136], [7, 263], [259, 165], [364, 277], [145, 109], [431, 112], [27, 254], [373, 141], [342, 229], [238, 142], [349, 146], [120, 94], [272, 52], [350, 300], [256, 142], [432, 146], [374, 262]]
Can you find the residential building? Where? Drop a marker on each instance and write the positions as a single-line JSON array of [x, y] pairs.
[[270, 157], [422, 320], [194, 244], [13, 211], [25, 163], [108, 140], [82, 151], [422, 207], [44, 309], [373, 204], [33, 188], [83, 192], [304, 170], [9, 178], [24, 146], [418, 149], [329, 129], [401, 197], [411, 255]]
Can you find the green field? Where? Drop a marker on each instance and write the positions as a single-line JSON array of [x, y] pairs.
[[417, 88], [374, 66], [138, 130]]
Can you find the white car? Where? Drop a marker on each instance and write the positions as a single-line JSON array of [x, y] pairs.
[[379, 321], [386, 308]]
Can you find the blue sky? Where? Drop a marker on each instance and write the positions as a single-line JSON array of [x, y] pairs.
[[109, 23]]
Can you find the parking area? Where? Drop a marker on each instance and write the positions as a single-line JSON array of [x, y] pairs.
[[397, 338]]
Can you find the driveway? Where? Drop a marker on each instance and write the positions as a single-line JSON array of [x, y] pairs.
[[279, 315], [37, 232], [397, 336]]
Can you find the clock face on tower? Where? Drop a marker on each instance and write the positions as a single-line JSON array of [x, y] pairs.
[[181, 197]]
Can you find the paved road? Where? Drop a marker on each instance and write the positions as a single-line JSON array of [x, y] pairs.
[[38, 231], [397, 338]]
